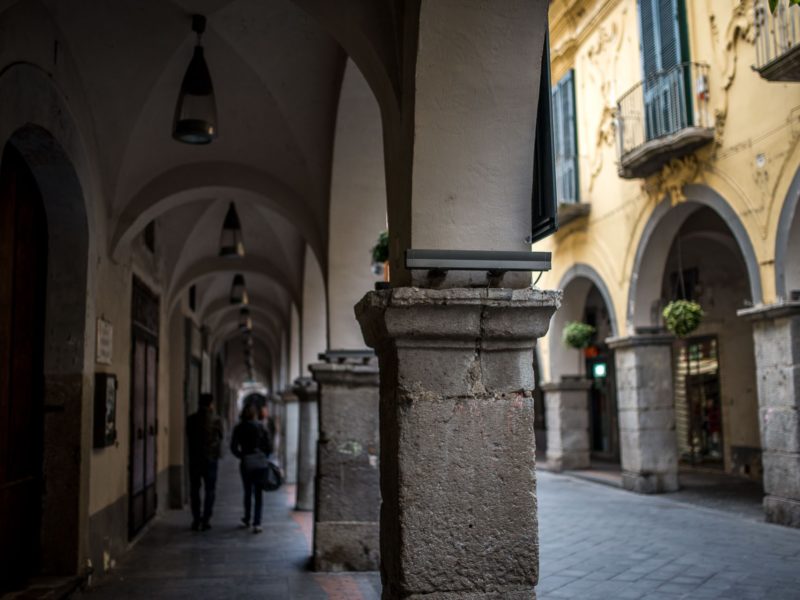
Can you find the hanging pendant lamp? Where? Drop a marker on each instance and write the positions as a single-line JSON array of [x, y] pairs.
[[196, 112], [230, 240], [239, 290], [245, 321]]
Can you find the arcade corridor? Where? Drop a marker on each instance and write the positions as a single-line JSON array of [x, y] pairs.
[[416, 241]]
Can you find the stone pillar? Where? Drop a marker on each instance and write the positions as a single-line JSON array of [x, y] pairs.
[[646, 404], [289, 435], [346, 531], [306, 390], [458, 518], [567, 414], [776, 332]]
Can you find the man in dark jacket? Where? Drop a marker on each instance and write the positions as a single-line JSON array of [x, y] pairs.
[[204, 432]]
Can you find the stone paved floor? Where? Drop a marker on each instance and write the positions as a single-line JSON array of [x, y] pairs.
[[171, 562], [605, 543], [597, 542]]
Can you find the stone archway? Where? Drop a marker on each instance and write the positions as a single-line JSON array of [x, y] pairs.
[[66, 391], [699, 250], [580, 401], [787, 245]]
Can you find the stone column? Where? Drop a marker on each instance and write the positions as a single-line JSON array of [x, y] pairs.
[[776, 332], [306, 390], [289, 435], [346, 531], [567, 414], [458, 518], [646, 404]]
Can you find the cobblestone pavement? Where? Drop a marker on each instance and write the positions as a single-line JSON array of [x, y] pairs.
[[605, 543], [596, 542]]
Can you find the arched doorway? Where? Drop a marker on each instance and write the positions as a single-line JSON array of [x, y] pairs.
[[45, 406], [699, 251], [23, 272], [581, 388]]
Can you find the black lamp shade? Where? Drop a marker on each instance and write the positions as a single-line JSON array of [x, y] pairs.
[[230, 240], [239, 291], [196, 111], [245, 321]]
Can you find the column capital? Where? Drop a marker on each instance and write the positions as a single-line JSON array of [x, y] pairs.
[[306, 389], [345, 373], [641, 339], [770, 311], [495, 316], [567, 385]]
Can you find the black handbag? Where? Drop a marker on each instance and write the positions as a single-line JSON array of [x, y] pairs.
[[270, 478]]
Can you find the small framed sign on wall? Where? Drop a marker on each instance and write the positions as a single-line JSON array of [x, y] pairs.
[[105, 342], [105, 410]]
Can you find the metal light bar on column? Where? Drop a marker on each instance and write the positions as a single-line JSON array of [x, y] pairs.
[[477, 260]]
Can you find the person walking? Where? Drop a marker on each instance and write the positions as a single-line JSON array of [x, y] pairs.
[[204, 433], [251, 444]]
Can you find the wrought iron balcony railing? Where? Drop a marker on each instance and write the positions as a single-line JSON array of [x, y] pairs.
[[777, 41], [665, 116]]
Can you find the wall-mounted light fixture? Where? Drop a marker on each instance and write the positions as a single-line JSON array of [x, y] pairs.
[[196, 111]]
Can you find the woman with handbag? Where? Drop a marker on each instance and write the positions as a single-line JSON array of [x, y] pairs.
[[251, 444]]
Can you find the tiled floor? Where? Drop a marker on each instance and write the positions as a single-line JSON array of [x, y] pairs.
[[172, 562], [597, 542]]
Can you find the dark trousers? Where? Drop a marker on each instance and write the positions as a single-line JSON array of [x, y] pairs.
[[203, 471], [251, 488]]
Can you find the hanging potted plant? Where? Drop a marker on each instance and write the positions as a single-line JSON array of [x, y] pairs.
[[578, 335], [682, 317], [380, 255]]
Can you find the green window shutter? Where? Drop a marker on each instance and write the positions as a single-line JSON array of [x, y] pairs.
[[565, 139], [662, 30]]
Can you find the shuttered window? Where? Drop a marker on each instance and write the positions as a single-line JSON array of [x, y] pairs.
[[544, 217], [565, 140], [664, 47]]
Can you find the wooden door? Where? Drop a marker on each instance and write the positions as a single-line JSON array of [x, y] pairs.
[[144, 407], [23, 267]]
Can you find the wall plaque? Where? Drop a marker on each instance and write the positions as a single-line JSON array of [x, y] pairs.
[[105, 342]]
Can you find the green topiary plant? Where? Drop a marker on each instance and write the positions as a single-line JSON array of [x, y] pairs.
[[578, 335], [682, 317], [380, 251]]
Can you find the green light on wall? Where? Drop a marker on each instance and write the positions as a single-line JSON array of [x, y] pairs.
[[599, 370]]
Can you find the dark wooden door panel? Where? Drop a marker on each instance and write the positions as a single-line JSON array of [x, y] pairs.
[[144, 407], [23, 269]]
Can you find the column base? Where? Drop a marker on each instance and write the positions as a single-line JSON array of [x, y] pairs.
[[650, 483], [782, 511], [526, 594], [569, 462], [346, 546]]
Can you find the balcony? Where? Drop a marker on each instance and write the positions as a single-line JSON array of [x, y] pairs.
[[663, 117], [777, 41]]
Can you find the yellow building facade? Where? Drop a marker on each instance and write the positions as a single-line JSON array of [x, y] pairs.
[[686, 183]]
